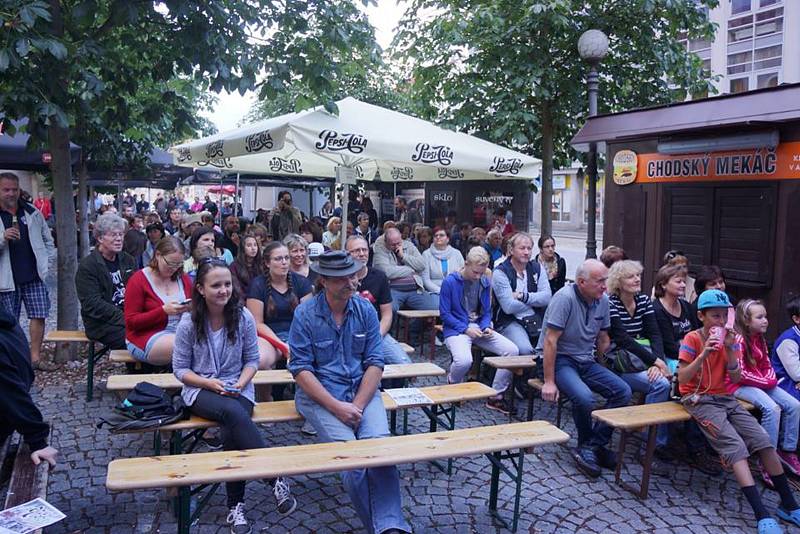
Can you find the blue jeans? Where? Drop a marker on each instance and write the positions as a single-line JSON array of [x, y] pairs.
[[414, 300], [516, 333], [393, 352], [657, 391], [375, 492], [578, 381], [775, 405]]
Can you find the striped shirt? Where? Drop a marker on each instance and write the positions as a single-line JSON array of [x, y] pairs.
[[633, 323]]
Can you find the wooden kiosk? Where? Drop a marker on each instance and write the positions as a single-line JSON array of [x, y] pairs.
[[719, 179]]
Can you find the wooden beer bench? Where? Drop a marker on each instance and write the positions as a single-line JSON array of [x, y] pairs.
[[209, 470], [442, 412], [517, 365], [168, 381], [124, 356], [78, 336], [404, 317], [28, 481], [629, 419]]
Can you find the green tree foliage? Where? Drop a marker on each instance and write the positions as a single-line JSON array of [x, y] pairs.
[[509, 70], [120, 76]]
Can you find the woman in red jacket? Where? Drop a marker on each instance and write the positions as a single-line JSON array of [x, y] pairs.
[[155, 299]]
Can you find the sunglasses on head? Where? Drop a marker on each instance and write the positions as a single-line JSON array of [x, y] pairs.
[[213, 261]]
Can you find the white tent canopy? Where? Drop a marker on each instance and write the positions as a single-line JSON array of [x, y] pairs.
[[377, 143]]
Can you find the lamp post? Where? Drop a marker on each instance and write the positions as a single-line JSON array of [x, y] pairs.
[[592, 47]]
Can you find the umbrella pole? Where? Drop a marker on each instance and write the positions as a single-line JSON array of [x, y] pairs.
[[345, 201], [236, 198]]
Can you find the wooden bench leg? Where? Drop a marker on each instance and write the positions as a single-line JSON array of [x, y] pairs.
[[643, 488], [448, 421], [517, 460], [559, 406], [90, 373]]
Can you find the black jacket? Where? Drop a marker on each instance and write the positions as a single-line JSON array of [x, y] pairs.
[[561, 276], [17, 410], [95, 290]]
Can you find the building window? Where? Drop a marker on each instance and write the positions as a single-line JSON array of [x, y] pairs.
[[767, 80], [765, 3], [740, 85], [560, 206], [739, 6]]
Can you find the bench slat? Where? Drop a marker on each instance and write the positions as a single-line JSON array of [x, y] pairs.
[[66, 335], [643, 415], [28, 481], [418, 314], [283, 411], [227, 466], [122, 356], [270, 377], [510, 362]]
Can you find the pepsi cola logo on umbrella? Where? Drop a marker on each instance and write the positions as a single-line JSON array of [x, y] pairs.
[[454, 174], [184, 154], [506, 165], [214, 150], [402, 173], [291, 166], [258, 141], [336, 142], [425, 153]]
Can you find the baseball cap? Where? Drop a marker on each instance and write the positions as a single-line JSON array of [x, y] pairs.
[[315, 250], [713, 298], [194, 218]]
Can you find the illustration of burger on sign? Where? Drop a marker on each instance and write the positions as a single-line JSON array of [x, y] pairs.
[[624, 167]]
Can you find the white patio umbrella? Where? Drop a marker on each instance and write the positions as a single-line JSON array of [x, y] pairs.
[[363, 142]]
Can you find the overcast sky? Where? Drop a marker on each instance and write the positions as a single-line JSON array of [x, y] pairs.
[[231, 108]]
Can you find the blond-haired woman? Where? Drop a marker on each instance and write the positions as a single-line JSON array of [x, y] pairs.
[[466, 311], [334, 227], [634, 331]]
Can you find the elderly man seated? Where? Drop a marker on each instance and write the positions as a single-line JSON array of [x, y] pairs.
[[403, 265], [100, 283]]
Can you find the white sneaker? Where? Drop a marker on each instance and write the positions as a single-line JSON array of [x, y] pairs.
[[283, 495], [238, 521]]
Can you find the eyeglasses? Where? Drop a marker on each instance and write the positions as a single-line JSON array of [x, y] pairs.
[[440, 234], [279, 258], [173, 264], [115, 235]]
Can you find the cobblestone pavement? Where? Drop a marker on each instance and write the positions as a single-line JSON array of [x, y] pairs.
[[555, 496]]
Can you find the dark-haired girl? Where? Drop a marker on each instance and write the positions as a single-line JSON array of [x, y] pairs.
[[247, 266], [216, 357], [272, 299], [203, 244], [554, 265]]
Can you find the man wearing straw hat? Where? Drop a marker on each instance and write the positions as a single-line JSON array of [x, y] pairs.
[[337, 362]]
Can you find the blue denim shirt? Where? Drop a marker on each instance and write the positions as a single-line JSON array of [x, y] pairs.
[[338, 356]]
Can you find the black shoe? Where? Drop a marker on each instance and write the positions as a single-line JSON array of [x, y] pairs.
[[657, 467], [606, 458], [704, 463], [499, 405], [586, 461]]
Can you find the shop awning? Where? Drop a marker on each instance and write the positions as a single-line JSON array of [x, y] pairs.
[[755, 108]]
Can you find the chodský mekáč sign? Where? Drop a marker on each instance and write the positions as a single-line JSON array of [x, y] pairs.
[[781, 163]]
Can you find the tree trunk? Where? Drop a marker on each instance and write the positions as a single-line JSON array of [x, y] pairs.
[[83, 207], [547, 169], [66, 233], [66, 229]]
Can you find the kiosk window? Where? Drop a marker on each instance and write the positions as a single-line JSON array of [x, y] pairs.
[[730, 226]]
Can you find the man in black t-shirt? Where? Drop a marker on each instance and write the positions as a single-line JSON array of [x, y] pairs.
[[26, 245], [374, 286]]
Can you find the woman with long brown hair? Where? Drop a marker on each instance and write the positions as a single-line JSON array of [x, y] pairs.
[[272, 299], [247, 266]]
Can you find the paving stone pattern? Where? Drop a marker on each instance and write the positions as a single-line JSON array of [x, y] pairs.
[[555, 496]]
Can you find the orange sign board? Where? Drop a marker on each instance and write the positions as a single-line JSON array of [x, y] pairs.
[[782, 163]]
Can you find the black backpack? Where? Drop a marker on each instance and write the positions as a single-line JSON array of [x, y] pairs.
[[147, 407]]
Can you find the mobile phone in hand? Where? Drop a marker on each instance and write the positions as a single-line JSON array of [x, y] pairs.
[[232, 389], [185, 302]]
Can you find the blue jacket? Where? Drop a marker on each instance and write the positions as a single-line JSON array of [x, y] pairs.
[[451, 305]]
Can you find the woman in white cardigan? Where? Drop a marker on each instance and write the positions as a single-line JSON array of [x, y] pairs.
[[440, 260]]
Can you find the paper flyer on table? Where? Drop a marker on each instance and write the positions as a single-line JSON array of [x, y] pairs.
[[409, 397], [29, 516]]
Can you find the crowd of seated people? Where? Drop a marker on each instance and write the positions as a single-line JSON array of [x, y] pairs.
[[496, 288]]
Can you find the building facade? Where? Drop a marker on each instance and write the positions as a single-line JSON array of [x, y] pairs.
[[757, 45]]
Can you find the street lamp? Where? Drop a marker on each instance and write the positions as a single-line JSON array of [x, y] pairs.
[[592, 47]]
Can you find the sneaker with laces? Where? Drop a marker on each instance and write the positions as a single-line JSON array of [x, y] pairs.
[[790, 461], [238, 521], [283, 496], [499, 405], [586, 461], [212, 443]]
